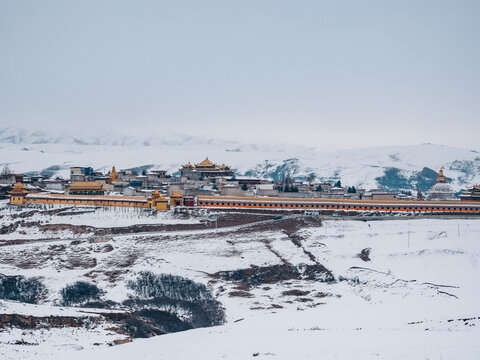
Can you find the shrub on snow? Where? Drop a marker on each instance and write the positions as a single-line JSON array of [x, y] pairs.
[[20, 288], [80, 293], [191, 302]]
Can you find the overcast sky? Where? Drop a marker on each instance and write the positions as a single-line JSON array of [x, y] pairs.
[[332, 74]]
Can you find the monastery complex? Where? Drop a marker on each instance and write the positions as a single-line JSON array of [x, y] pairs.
[[158, 191]]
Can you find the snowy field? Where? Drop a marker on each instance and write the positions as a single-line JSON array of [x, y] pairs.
[[414, 293], [100, 217], [97, 217]]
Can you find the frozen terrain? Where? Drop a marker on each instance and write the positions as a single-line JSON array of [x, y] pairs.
[[394, 167], [396, 289], [38, 223]]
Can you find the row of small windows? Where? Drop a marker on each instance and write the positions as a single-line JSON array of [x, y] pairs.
[[87, 202], [353, 207], [118, 202]]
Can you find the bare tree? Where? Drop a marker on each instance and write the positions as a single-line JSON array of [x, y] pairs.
[[287, 180], [6, 171], [311, 177]]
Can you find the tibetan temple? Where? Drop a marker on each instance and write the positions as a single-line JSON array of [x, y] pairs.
[[471, 194], [205, 169], [18, 193]]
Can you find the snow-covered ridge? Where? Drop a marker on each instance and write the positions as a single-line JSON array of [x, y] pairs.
[[393, 167], [21, 136], [28, 137]]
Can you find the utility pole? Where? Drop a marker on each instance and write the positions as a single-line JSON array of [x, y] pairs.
[[216, 222]]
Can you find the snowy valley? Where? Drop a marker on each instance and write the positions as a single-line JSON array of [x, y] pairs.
[[295, 287]]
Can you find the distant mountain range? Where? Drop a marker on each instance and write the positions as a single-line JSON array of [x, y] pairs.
[[392, 168]]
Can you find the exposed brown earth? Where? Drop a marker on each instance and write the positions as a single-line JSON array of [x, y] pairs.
[[295, 292], [135, 325], [240, 293], [258, 275], [32, 322]]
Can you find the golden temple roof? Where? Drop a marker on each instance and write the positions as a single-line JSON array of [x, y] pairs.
[[187, 165], [176, 193], [157, 196], [19, 188], [205, 162], [87, 185]]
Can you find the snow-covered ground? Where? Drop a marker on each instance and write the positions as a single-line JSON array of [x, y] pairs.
[[101, 217], [323, 333], [416, 298]]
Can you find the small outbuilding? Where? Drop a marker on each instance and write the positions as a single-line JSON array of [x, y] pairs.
[[176, 198]]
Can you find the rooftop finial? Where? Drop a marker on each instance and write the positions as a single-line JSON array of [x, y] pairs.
[[441, 178]]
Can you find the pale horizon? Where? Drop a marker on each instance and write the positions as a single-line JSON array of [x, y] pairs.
[[319, 74], [323, 148]]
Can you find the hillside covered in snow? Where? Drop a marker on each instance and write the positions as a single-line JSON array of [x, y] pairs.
[[392, 168], [91, 285]]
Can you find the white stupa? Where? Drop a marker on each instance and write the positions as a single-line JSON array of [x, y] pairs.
[[441, 190]]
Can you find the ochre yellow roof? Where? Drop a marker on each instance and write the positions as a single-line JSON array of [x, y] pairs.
[[176, 193], [18, 188], [157, 196], [206, 162], [89, 185]]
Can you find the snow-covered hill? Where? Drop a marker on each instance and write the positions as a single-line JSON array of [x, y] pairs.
[[393, 167]]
